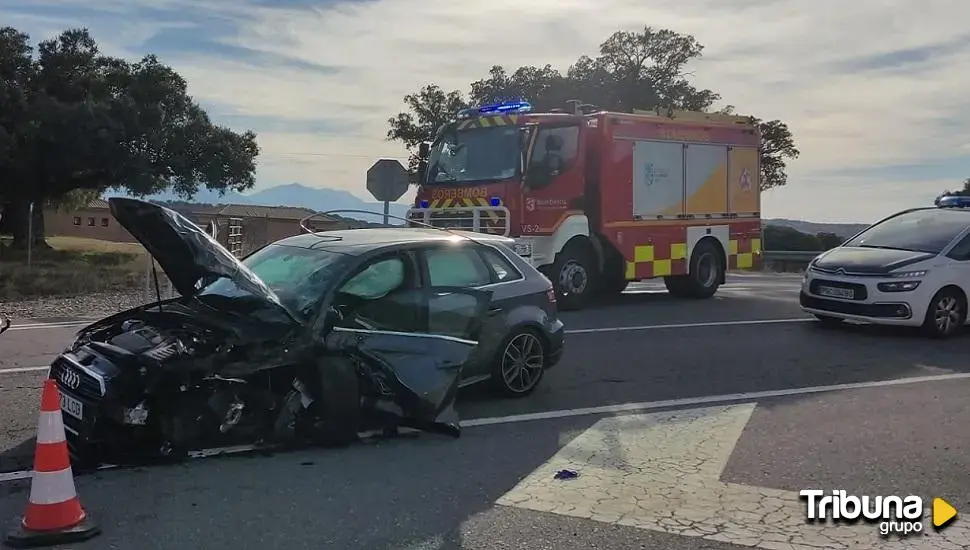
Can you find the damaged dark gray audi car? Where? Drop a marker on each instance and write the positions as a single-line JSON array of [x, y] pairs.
[[313, 339]]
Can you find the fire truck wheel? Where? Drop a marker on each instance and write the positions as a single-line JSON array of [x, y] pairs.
[[572, 277], [706, 270], [677, 286], [613, 280]]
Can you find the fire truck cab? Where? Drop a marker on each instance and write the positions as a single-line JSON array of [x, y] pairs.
[[597, 199]]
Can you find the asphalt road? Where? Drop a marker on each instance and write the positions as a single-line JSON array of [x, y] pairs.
[[714, 474]]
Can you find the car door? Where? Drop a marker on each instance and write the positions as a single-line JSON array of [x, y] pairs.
[[411, 342], [479, 267]]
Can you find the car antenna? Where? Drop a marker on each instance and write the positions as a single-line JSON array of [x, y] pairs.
[[405, 220]]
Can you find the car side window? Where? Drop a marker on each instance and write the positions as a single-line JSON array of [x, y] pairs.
[[376, 280], [961, 251], [503, 269], [458, 266], [380, 298]]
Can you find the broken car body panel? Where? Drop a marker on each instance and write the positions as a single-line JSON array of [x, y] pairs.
[[215, 368], [414, 375]]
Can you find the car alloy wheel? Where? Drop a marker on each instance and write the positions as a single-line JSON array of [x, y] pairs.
[[947, 314], [522, 363]]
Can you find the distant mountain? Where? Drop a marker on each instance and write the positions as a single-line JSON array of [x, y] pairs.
[[844, 230], [322, 199]]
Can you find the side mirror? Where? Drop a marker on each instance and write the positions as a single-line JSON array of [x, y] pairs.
[[424, 149]]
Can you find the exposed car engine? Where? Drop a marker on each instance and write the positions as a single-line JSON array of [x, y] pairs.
[[185, 402]]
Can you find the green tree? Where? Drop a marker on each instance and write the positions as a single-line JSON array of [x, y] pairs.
[[74, 123], [782, 237], [428, 109], [828, 241], [634, 70]]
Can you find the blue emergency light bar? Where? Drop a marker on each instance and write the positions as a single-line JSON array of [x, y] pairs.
[[495, 201], [424, 204], [954, 201], [497, 109]]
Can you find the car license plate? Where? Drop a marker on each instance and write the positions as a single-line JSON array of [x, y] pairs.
[[72, 406], [846, 293]]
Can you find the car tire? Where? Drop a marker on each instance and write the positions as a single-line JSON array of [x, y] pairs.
[[573, 270], [946, 313], [704, 275], [339, 402], [524, 349], [828, 322]]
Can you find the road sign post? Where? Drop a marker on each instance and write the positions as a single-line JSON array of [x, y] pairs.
[[387, 181]]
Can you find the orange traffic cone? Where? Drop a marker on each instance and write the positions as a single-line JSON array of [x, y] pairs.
[[54, 513]]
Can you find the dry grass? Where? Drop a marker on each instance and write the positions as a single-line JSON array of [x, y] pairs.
[[73, 266], [94, 245]]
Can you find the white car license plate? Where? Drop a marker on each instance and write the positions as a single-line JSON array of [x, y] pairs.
[[846, 293], [72, 406]]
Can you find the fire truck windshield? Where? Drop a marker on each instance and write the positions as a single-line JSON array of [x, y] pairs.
[[472, 155]]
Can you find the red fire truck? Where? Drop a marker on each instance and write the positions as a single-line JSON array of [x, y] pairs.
[[597, 199]]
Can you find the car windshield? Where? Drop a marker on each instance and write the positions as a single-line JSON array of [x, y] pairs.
[[299, 276], [477, 154], [927, 231]]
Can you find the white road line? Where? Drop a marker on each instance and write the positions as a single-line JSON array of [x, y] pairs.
[[648, 405], [41, 326], [16, 370], [690, 325], [707, 400]]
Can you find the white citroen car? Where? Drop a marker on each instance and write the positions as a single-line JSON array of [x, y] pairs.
[[910, 269]]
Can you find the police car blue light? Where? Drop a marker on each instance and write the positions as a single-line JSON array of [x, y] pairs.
[[424, 204], [953, 201], [495, 201]]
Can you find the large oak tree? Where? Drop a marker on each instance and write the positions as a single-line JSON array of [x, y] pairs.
[[634, 70], [75, 122]]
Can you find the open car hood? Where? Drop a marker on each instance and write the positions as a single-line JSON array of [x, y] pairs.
[[185, 252]]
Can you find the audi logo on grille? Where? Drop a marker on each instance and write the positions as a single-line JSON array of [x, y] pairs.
[[69, 378]]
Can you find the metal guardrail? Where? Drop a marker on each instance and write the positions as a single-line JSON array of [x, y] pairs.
[[789, 255]]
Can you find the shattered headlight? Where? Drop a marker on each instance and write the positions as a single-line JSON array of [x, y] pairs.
[[136, 416]]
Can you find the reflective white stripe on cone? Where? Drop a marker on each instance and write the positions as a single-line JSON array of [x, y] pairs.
[[50, 427], [52, 487]]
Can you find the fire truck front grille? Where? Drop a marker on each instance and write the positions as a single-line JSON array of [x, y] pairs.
[[491, 220]]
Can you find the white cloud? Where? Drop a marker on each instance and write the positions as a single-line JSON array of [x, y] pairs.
[[782, 59]]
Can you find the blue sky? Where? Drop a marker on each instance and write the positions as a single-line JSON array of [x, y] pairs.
[[875, 91]]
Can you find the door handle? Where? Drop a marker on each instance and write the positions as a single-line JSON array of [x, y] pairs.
[[494, 311]]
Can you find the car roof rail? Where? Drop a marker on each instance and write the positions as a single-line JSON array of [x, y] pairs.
[[405, 220]]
